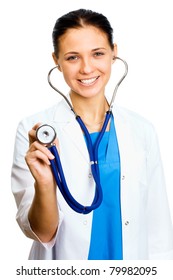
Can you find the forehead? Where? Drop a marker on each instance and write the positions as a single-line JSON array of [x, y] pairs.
[[88, 37]]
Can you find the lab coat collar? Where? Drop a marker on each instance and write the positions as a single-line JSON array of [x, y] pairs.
[[63, 113]]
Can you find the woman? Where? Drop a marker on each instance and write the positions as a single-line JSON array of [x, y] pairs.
[[133, 220]]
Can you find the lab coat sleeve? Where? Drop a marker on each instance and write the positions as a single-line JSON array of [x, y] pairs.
[[160, 237], [22, 184]]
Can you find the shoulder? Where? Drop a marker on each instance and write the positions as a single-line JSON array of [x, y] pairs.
[[140, 128], [39, 117], [47, 116], [132, 118]]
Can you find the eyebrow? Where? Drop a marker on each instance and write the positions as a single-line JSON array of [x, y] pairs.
[[93, 50]]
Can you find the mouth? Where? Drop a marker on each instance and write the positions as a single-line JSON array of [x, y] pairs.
[[88, 82]]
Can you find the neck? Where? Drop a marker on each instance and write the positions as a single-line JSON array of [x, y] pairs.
[[91, 110]]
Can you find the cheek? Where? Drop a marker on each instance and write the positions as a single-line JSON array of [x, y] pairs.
[[107, 71], [105, 66], [68, 75]]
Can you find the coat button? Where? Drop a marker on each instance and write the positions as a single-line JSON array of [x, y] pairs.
[[123, 177], [90, 175], [85, 222], [126, 223]]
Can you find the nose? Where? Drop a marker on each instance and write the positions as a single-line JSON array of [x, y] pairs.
[[86, 66]]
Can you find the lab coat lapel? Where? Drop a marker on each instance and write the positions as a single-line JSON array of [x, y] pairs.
[[122, 131], [65, 118], [130, 146], [74, 132]]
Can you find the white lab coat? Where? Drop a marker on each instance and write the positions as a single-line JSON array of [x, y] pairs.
[[146, 221]]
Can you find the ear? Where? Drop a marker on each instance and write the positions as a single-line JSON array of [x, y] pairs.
[[56, 61], [114, 52]]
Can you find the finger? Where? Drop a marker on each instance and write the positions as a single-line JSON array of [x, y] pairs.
[[43, 149], [32, 136], [32, 133], [37, 125], [32, 157]]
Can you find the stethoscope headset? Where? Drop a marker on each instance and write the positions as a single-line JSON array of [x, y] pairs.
[[46, 135]]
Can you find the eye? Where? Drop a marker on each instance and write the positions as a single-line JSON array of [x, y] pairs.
[[72, 58], [97, 54]]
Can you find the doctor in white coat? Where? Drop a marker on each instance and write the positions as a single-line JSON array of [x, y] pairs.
[[84, 52]]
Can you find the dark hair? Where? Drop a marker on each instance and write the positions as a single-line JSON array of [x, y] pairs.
[[80, 18]]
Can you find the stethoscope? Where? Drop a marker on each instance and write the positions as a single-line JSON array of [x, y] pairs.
[[46, 135]]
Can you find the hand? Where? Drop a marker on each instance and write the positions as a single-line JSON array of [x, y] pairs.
[[37, 159]]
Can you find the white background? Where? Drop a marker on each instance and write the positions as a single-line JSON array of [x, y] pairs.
[[143, 33]]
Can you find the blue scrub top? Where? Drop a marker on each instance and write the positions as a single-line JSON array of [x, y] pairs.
[[106, 233]]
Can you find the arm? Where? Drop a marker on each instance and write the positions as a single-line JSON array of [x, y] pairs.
[[159, 220], [43, 214], [34, 188]]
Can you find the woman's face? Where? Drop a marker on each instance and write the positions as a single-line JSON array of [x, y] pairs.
[[85, 59]]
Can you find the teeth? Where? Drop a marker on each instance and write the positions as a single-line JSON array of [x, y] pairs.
[[88, 81]]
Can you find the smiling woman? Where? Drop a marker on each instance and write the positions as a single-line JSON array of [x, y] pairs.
[[129, 223], [86, 67]]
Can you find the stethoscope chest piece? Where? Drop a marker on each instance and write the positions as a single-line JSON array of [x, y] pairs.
[[46, 134]]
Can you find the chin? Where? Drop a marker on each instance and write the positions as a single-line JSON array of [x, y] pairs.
[[89, 93]]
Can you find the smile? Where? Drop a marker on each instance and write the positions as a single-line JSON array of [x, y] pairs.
[[88, 81]]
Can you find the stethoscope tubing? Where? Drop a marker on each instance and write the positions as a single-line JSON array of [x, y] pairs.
[[93, 153], [61, 183]]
